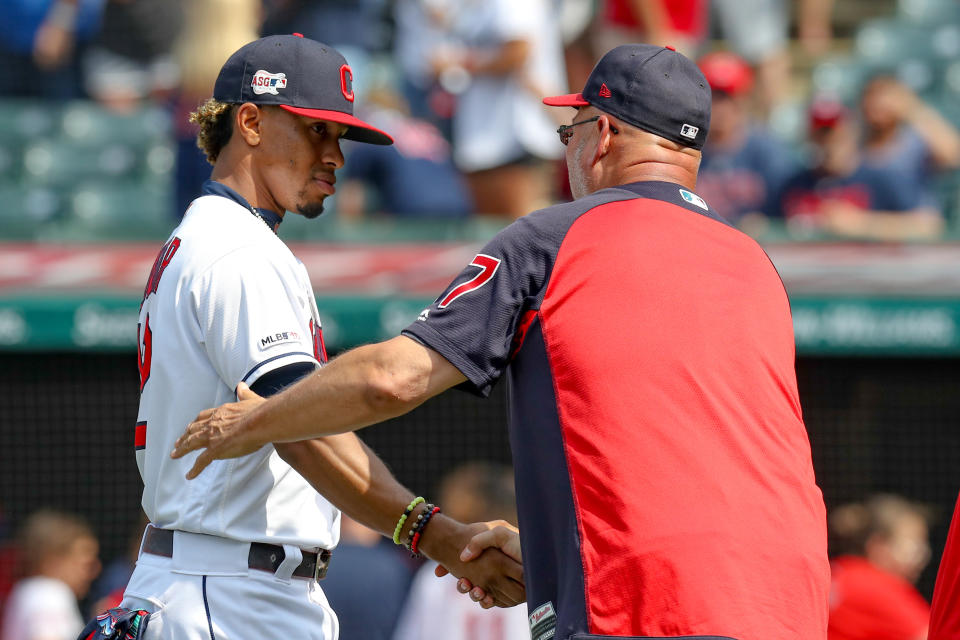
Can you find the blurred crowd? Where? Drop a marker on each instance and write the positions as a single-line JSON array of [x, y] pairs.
[[51, 578], [458, 84]]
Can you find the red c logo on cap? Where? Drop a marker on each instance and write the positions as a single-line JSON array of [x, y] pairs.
[[347, 91]]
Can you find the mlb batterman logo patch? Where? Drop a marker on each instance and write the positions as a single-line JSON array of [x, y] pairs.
[[689, 131], [266, 82]]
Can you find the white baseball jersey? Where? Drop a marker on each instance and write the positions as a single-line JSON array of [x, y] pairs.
[[226, 302]]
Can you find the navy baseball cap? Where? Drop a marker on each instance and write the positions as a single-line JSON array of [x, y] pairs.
[[300, 75], [653, 88]]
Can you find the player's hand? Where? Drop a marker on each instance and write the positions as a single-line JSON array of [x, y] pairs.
[[499, 577], [221, 432], [500, 535]]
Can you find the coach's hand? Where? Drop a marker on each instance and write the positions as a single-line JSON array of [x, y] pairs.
[[499, 534], [220, 432], [499, 577]]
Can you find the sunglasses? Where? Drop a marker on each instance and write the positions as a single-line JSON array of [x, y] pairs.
[[565, 133]]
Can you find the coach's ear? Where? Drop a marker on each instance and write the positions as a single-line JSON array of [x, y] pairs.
[[249, 119]]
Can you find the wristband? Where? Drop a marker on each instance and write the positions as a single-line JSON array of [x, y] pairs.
[[403, 518]]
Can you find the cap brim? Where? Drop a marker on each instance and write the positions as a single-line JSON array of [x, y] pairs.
[[358, 129], [569, 100]]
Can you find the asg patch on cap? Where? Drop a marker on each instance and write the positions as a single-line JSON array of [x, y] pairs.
[[266, 82]]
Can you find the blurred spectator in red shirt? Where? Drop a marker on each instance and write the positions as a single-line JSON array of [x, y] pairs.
[[743, 166], [679, 23], [841, 195], [882, 548], [945, 614], [905, 136]]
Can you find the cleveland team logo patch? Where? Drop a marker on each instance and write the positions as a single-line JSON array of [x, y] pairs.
[[266, 82], [543, 622]]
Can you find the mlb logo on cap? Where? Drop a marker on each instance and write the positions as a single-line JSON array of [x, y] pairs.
[[299, 75]]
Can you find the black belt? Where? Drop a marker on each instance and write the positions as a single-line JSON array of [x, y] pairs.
[[262, 556]]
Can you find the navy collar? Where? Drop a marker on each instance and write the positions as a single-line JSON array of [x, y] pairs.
[[213, 188]]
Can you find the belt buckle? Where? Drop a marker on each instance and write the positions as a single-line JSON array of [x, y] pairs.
[[321, 564]]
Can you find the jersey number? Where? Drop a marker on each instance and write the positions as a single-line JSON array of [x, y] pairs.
[[488, 267], [144, 350]]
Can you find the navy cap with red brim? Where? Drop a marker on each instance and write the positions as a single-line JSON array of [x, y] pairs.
[[300, 75], [357, 129], [569, 100], [652, 88]]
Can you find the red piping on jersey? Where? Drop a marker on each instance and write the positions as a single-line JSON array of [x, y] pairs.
[[526, 321], [140, 435]]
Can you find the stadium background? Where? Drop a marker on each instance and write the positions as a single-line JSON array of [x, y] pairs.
[[878, 326]]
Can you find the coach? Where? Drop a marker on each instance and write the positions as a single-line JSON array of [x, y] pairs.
[[664, 480]]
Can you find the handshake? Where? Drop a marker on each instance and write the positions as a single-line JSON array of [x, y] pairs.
[[485, 556]]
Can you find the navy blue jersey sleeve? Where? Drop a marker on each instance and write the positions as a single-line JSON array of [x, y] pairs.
[[473, 322]]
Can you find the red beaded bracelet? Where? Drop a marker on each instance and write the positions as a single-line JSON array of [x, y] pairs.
[[423, 525]]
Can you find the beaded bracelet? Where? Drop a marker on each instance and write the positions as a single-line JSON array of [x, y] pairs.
[[403, 518], [426, 513], [414, 544], [416, 524]]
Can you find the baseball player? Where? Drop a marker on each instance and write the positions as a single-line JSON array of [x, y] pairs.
[[239, 553], [664, 480]]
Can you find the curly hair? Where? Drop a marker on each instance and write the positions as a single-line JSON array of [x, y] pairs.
[[216, 126]]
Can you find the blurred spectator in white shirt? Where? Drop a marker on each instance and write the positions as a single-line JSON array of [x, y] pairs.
[[504, 58], [60, 559], [435, 610]]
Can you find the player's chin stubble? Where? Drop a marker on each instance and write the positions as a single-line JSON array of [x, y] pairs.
[[308, 209], [311, 210]]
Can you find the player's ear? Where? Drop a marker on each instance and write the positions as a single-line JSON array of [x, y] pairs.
[[604, 138], [249, 119]]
